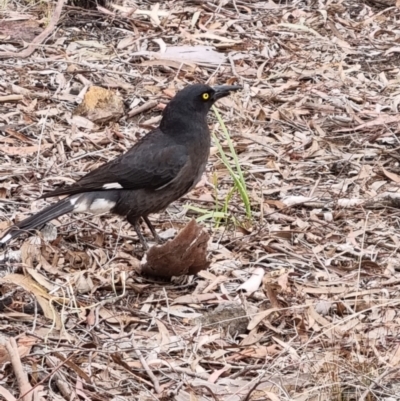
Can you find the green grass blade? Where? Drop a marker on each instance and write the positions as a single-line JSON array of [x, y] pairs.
[[237, 177]]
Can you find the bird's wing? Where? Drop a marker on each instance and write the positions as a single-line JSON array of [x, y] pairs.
[[149, 164]]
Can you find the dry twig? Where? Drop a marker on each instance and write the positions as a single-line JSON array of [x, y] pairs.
[[39, 39]]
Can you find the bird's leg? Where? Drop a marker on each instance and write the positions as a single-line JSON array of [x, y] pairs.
[[153, 230], [135, 222]]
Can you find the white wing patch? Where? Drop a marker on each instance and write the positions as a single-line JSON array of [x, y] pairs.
[[112, 185]]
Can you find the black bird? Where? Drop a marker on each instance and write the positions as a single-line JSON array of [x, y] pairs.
[[163, 166]]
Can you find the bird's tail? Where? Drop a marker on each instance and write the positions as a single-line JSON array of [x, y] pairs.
[[37, 220]]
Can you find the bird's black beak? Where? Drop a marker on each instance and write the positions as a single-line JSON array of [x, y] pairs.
[[224, 90]]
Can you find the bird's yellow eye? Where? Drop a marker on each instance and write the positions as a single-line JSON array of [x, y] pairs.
[[206, 96]]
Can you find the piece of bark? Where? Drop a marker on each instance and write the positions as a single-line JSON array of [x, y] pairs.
[[17, 31], [184, 255]]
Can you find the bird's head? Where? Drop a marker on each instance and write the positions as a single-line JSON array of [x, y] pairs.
[[196, 100]]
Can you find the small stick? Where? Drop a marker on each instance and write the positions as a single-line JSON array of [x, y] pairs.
[[147, 106], [40, 38], [154, 380], [22, 378], [10, 98]]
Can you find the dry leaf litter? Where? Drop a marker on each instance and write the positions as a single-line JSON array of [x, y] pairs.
[[301, 302]]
